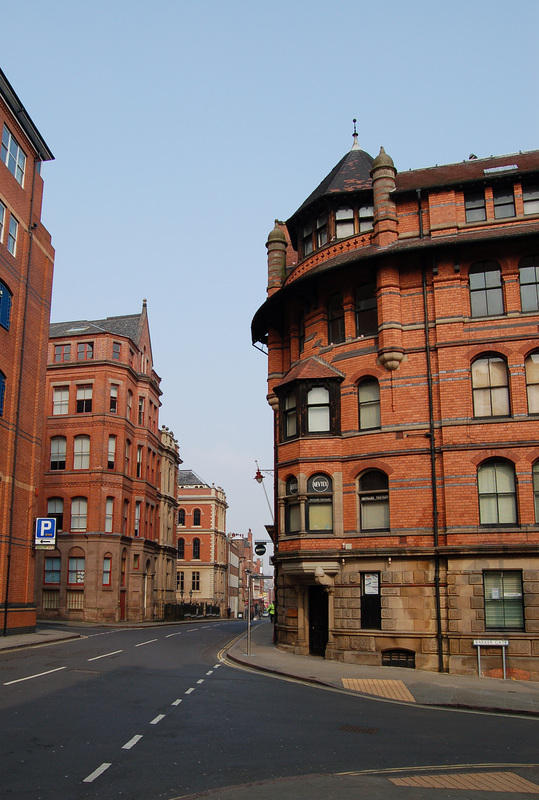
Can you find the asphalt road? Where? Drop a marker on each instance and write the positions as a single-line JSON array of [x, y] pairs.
[[148, 713]]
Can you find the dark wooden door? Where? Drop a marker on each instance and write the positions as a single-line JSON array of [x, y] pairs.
[[318, 620]]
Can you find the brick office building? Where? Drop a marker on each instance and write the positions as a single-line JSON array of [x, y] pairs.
[[402, 325], [202, 544], [101, 479], [26, 266]]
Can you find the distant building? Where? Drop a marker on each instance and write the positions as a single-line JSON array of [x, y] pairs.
[[102, 475], [401, 322], [201, 541], [26, 265], [165, 585]]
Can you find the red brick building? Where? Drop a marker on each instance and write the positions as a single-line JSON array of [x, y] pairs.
[[102, 475], [202, 545], [26, 266], [402, 325]]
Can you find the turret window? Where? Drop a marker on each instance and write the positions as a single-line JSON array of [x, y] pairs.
[[344, 222], [322, 230], [336, 334], [310, 408], [366, 310]]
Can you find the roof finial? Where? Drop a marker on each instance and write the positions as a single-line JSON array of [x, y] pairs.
[[355, 146]]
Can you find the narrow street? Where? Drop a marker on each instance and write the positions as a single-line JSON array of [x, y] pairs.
[[149, 713]]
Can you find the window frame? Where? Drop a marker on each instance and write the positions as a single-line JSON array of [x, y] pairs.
[[299, 391], [55, 510], [196, 548], [60, 401], [106, 575], [58, 451], [489, 394], [366, 310], [487, 499], [292, 507], [532, 381], [13, 235], [370, 405], [529, 289], [475, 206], [13, 156], [378, 495], [84, 399], [76, 570], [335, 319], [181, 548], [197, 516], [81, 452], [6, 301], [530, 198], [79, 503], [486, 296], [85, 351], [506, 603], [503, 196], [318, 502], [62, 352], [52, 570]]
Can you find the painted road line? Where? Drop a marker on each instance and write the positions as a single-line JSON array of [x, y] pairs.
[[201, 680], [157, 719], [210, 672], [191, 630], [216, 666], [97, 772], [37, 675], [176, 702], [105, 655], [173, 634], [132, 742], [140, 644], [192, 689]]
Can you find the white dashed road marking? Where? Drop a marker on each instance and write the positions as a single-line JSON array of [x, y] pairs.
[[30, 677], [157, 719], [128, 745], [97, 772], [140, 644], [105, 655]]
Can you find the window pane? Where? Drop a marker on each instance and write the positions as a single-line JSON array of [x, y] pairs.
[[500, 402], [375, 512], [318, 420], [320, 515]]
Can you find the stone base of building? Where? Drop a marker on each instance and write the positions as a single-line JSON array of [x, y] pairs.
[[20, 619]]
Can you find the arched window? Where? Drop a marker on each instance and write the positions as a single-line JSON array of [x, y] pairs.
[[181, 516], [374, 501], [58, 452], [81, 452], [292, 506], [79, 513], [319, 506], [196, 516], [5, 305], [111, 453], [497, 493], [335, 319], [368, 394], [529, 283], [486, 296], [532, 382], [196, 548], [490, 387], [55, 508], [76, 566], [181, 547]]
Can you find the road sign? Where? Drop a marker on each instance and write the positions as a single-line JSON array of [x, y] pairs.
[[45, 532]]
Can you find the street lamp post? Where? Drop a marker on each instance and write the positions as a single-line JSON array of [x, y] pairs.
[[259, 478], [248, 573]]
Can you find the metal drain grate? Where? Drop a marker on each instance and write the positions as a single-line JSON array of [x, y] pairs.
[[357, 729]]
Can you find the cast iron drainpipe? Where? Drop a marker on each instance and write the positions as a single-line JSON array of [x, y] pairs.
[[19, 399], [432, 456]]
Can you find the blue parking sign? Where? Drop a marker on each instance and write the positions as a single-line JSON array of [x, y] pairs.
[[45, 531]]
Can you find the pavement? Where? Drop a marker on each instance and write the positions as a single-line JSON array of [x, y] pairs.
[[387, 684]]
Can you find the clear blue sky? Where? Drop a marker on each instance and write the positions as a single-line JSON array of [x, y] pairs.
[[183, 128]]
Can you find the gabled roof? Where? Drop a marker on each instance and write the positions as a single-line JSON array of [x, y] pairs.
[[314, 368], [187, 477]]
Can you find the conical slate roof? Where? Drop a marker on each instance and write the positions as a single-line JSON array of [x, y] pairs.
[[351, 174]]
